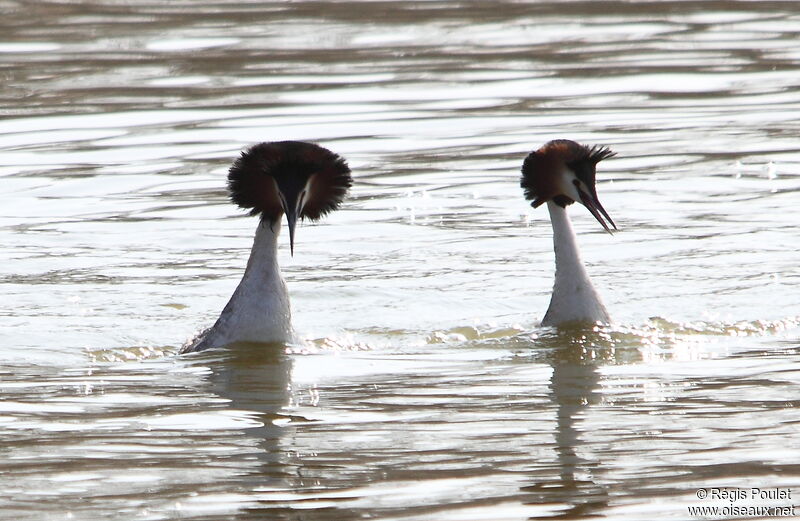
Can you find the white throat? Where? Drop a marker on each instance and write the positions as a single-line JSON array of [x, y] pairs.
[[259, 309], [574, 298]]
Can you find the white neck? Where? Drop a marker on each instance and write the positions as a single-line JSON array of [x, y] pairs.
[[574, 298], [259, 309]]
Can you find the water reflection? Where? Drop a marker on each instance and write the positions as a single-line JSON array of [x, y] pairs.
[[255, 381], [575, 390]]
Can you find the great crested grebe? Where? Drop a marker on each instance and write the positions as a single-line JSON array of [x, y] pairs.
[[272, 179], [560, 173]]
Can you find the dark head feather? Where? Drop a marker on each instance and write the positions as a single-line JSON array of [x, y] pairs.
[[261, 171], [597, 153], [540, 168]]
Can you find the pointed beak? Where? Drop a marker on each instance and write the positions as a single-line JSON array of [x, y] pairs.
[[291, 220], [591, 202], [292, 211]]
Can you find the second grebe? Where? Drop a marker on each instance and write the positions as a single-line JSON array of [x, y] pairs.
[[560, 173], [272, 179]]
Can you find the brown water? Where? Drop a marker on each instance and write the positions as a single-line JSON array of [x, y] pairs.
[[425, 388]]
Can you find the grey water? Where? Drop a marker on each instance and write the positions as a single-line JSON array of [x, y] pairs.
[[423, 387]]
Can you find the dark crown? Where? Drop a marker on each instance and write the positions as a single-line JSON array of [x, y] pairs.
[[287, 166], [541, 166]]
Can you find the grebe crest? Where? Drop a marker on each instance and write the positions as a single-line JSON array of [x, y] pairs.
[[294, 178], [563, 171]]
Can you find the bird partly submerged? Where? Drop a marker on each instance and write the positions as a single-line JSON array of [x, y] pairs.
[[560, 173], [292, 178]]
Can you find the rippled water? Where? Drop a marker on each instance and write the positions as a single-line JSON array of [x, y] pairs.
[[425, 388]]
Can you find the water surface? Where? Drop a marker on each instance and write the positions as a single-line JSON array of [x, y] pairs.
[[424, 388]]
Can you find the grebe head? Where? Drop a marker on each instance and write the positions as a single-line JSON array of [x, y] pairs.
[[563, 171], [288, 177]]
